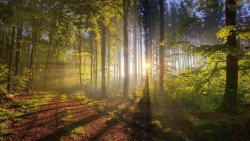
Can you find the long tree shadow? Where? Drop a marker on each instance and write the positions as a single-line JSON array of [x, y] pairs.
[[100, 133], [47, 110], [65, 130], [142, 123]]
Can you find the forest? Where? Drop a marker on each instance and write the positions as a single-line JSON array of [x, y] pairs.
[[125, 70]]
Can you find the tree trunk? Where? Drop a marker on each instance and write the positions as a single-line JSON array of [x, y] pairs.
[[135, 51], [32, 58], [141, 62], [103, 52], [91, 58], [96, 63], [161, 47], [80, 57], [11, 48], [120, 68], [18, 48], [47, 64], [108, 44], [125, 47], [230, 96]]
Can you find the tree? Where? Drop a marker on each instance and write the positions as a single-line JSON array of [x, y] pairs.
[[161, 46], [11, 48], [125, 48], [230, 96], [103, 54]]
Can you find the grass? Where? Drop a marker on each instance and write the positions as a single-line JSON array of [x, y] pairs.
[[10, 111], [88, 102], [67, 118], [75, 131], [78, 131], [63, 97]]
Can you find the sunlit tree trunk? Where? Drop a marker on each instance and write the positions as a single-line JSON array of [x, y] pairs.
[[120, 68], [103, 54], [126, 55], [96, 63], [150, 57], [141, 56], [91, 58], [230, 97], [108, 46], [80, 57], [161, 47], [135, 50]]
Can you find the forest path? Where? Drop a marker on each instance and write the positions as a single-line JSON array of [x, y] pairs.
[[65, 118]]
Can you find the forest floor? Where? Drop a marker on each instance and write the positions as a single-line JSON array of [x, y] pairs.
[[65, 117]]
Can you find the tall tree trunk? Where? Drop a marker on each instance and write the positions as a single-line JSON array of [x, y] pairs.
[[108, 44], [148, 67], [47, 64], [18, 48], [120, 68], [32, 58], [91, 58], [230, 97], [161, 47], [103, 52], [135, 51], [96, 63], [141, 54], [11, 48], [80, 57], [126, 59], [2, 46]]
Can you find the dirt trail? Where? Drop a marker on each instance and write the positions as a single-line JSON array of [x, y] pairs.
[[68, 119]]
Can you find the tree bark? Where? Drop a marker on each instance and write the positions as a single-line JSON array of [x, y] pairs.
[[11, 48], [135, 51], [96, 63], [80, 57], [230, 96], [125, 47], [161, 47], [108, 45], [32, 58], [91, 58], [141, 62], [103, 52], [47, 63], [18, 48]]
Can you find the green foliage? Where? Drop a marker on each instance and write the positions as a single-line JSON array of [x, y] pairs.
[[137, 95], [196, 90], [225, 32], [19, 83], [244, 34], [3, 73], [3, 77]]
